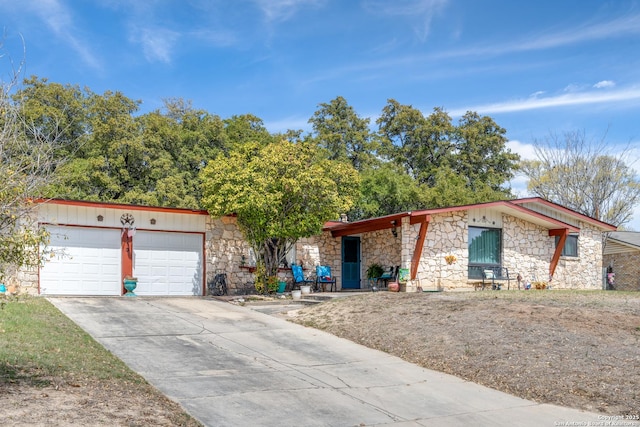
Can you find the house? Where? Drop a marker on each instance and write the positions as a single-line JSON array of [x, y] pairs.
[[622, 258], [532, 237], [178, 251]]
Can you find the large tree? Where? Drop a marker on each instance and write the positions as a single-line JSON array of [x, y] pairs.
[[481, 155], [51, 108], [279, 192], [467, 163], [588, 177], [114, 156], [387, 190], [344, 135], [421, 145]]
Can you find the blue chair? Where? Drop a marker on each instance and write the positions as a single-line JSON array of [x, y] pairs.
[[324, 277], [298, 276]]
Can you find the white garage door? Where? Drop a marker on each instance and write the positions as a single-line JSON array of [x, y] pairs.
[[86, 262], [167, 263]]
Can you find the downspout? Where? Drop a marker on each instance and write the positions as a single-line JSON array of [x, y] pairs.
[[422, 234], [562, 233]]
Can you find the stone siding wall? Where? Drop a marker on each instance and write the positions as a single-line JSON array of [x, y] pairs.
[[584, 271], [626, 267], [321, 250], [446, 235], [380, 247], [25, 279], [225, 247], [528, 249]]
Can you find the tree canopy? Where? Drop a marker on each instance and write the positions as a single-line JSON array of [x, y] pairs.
[[344, 135], [279, 192], [412, 160]]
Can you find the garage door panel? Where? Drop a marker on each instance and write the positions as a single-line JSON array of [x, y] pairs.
[[168, 263], [86, 262]]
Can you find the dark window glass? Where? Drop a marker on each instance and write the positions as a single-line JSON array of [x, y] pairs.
[[484, 246], [570, 245]]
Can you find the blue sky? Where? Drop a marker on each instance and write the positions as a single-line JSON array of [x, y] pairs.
[[535, 67]]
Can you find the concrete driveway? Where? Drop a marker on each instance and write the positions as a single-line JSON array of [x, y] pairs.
[[233, 366]]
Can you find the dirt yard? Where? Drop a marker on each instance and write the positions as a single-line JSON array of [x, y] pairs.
[[575, 349], [69, 402]]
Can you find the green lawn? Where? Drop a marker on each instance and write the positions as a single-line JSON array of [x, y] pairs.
[[38, 342], [41, 349]]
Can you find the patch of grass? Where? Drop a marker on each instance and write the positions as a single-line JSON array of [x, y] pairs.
[[468, 351], [38, 342]]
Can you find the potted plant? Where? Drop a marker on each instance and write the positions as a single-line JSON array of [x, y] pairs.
[[374, 271]]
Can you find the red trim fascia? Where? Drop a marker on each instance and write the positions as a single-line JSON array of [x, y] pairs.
[[341, 229], [565, 210], [556, 255], [417, 252], [367, 225], [121, 206], [419, 219], [531, 212], [506, 204], [55, 224], [459, 208], [330, 224]]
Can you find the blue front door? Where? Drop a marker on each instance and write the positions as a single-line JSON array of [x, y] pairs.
[[350, 262]]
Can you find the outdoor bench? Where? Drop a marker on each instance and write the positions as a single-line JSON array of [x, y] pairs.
[[495, 274]]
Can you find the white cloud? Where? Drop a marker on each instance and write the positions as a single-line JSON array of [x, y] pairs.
[[157, 43], [422, 10], [58, 18], [574, 98], [604, 30], [526, 151], [573, 87], [283, 10], [519, 186], [604, 84]]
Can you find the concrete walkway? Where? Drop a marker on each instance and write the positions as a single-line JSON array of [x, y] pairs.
[[233, 366]]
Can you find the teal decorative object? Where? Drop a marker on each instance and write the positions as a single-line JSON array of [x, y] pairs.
[[130, 284], [281, 287]]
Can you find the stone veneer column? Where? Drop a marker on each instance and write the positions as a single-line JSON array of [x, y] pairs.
[[446, 235], [321, 250]]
